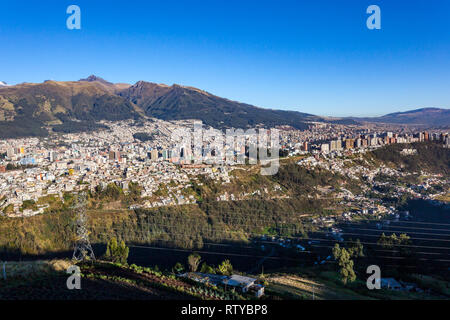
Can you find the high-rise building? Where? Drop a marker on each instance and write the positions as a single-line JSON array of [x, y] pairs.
[[114, 156], [339, 144], [364, 143], [10, 153], [305, 146], [374, 141], [333, 146], [154, 154], [52, 156], [349, 143]]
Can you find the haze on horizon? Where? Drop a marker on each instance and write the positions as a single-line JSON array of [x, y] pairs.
[[316, 57]]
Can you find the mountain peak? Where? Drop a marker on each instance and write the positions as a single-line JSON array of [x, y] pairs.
[[3, 84], [93, 78]]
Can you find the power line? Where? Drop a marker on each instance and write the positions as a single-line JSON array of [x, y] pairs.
[[279, 258], [303, 238], [416, 228], [273, 243], [208, 243], [402, 231], [313, 239], [420, 222], [214, 253], [224, 216], [289, 237], [254, 256], [275, 222], [394, 251]]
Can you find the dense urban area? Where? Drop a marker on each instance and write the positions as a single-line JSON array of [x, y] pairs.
[[33, 168], [343, 196]]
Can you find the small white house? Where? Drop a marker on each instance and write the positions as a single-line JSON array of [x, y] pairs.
[[246, 284], [239, 281]]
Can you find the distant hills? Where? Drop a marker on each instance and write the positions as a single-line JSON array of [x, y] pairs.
[[423, 116], [31, 109]]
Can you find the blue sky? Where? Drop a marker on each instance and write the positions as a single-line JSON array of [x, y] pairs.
[[310, 56]]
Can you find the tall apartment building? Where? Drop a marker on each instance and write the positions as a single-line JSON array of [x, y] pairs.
[[154, 154], [325, 148], [349, 143], [114, 156]]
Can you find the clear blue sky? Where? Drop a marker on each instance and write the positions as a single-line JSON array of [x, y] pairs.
[[311, 56]]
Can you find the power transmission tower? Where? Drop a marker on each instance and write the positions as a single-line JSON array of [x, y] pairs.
[[82, 249]]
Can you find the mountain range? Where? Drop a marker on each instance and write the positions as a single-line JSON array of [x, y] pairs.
[[31, 109], [423, 116]]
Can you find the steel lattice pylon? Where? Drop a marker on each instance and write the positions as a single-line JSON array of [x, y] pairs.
[[82, 249]]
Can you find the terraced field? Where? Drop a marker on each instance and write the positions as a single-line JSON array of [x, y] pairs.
[[105, 281]]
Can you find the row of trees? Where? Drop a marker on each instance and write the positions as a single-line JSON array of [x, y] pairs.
[[392, 241], [194, 260], [117, 251]]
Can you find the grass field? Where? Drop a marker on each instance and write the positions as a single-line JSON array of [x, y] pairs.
[[306, 284], [291, 286], [25, 269]]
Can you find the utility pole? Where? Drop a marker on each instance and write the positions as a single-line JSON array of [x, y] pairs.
[[82, 249]]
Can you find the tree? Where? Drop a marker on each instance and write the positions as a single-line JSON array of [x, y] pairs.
[[117, 252], [387, 242], [404, 239], [226, 268], [356, 249], [336, 251], [207, 269], [134, 191], [343, 258], [194, 260]]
